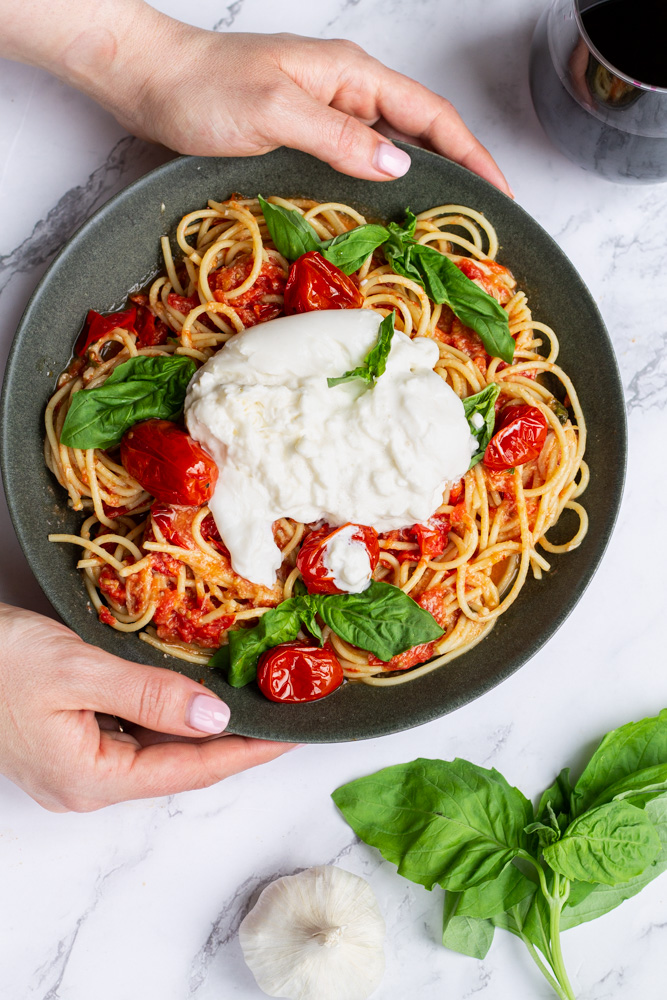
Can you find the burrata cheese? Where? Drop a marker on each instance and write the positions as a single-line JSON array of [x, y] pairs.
[[287, 445]]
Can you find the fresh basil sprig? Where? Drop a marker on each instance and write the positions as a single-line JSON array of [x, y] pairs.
[[484, 404], [375, 362], [382, 620], [293, 235], [581, 853], [445, 283], [139, 389]]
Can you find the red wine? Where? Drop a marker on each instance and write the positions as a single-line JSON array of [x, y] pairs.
[[598, 120], [632, 36]]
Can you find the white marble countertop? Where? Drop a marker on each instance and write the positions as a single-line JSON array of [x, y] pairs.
[[143, 900]]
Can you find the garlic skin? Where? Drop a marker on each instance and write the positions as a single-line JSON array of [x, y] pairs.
[[317, 935]]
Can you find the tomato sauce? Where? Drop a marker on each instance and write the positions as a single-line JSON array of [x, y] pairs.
[[250, 306], [178, 616]]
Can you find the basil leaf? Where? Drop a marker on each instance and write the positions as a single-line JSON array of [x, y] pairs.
[[546, 834], [449, 909], [557, 796], [498, 896], [307, 612], [610, 844], [375, 362], [484, 404], [532, 917], [639, 787], [139, 389], [410, 225], [445, 283], [376, 359], [349, 250], [468, 935], [382, 619], [362, 372], [561, 411], [292, 235], [622, 752], [586, 901], [451, 823], [221, 659], [281, 624]]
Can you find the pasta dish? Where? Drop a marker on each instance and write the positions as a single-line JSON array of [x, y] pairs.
[[163, 570]]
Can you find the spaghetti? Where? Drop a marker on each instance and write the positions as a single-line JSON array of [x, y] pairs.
[[165, 573]]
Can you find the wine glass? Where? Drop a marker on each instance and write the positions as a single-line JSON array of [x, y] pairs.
[[597, 115]]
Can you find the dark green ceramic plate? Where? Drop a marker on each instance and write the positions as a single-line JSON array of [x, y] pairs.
[[118, 249]]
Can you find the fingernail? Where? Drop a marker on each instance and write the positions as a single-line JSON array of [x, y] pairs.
[[207, 714], [297, 746], [391, 160]]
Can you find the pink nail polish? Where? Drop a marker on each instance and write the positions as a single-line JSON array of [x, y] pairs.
[[391, 160], [207, 714]]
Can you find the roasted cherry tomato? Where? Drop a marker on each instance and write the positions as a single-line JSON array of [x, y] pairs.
[[521, 437], [431, 537], [168, 463], [314, 283], [296, 671], [150, 330], [98, 326], [310, 560]]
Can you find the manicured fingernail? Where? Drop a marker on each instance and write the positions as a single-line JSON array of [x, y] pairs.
[[206, 714], [391, 160], [297, 746]]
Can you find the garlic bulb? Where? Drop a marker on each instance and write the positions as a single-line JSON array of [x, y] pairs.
[[314, 936]]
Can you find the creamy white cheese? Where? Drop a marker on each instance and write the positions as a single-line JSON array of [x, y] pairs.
[[287, 445], [347, 560]]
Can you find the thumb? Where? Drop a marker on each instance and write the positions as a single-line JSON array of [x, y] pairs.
[[152, 697], [349, 146]]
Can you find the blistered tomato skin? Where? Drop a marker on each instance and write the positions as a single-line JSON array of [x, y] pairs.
[[310, 560], [313, 283], [523, 431], [168, 463], [98, 326], [296, 672]]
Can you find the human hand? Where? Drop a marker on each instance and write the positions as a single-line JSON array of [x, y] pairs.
[[245, 94], [226, 94], [54, 746]]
